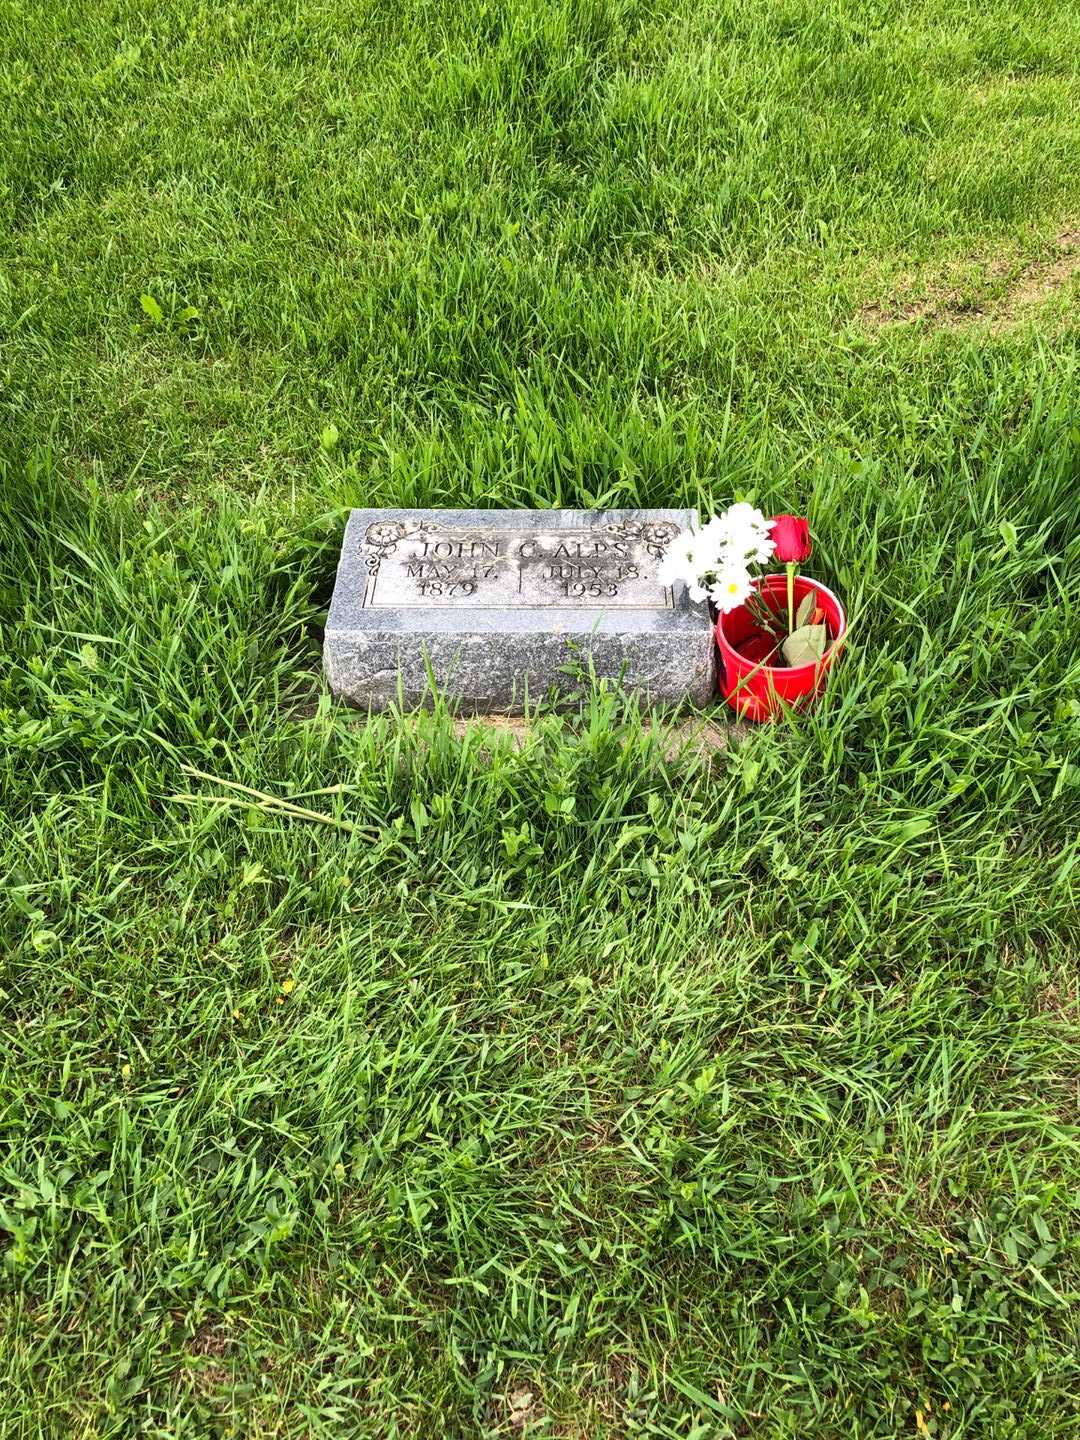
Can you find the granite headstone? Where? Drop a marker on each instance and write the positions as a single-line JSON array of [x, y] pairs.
[[497, 605]]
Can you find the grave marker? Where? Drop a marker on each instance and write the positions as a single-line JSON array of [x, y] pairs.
[[499, 602]]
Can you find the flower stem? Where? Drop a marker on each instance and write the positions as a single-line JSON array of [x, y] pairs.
[[791, 598]]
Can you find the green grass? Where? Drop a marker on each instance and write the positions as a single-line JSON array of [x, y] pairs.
[[563, 1088]]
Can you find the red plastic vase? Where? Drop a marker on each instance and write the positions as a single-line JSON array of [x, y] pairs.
[[754, 688]]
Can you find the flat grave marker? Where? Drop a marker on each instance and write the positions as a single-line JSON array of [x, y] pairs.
[[499, 602]]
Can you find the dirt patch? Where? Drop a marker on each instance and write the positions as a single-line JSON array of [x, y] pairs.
[[210, 1341], [207, 1370], [1002, 293], [705, 737], [516, 726], [523, 1411], [1060, 1003]]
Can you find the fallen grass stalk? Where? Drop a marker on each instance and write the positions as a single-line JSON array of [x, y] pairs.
[[264, 800]]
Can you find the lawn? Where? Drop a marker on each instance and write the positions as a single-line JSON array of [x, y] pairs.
[[589, 1080]]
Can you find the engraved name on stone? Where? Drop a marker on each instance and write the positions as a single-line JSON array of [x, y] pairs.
[[431, 565]]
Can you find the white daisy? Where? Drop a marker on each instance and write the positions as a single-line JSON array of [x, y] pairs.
[[754, 548], [730, 588], [743, 516], [742, 527], [683, 560]]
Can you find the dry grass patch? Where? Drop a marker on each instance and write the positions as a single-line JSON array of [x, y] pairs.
[[999, 293]]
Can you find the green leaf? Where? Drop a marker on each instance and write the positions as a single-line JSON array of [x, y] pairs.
[[805, 610], [152, 309], [805, 646], [1007, 531]]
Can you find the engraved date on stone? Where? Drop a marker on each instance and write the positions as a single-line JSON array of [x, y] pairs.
[[602, 567]]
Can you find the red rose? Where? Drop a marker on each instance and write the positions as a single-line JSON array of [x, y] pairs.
[[791, 536]]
